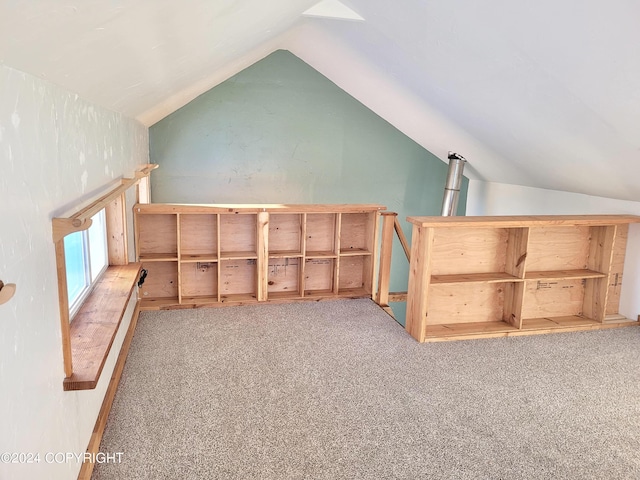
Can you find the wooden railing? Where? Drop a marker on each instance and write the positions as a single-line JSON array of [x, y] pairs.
[[390, 224]]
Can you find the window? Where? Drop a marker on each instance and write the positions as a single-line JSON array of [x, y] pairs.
[[86, 259]]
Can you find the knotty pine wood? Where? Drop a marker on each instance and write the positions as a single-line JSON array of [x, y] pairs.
[[95, 325], [499, 273]]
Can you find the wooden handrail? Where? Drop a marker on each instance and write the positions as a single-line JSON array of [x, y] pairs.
[[81, 220], [389, 224], [402, 238]]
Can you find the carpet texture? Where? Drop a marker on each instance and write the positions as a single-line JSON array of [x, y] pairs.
[[338, 390]]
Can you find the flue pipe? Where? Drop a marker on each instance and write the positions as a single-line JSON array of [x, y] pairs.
[[452, 187]]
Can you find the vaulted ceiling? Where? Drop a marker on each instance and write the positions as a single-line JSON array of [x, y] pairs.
[[544, 94]]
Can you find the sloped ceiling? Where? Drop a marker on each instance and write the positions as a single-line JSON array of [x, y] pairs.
[[544, 94]]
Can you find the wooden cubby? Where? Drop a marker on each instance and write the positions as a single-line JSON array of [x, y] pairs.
[[476, 277], [232, 254]]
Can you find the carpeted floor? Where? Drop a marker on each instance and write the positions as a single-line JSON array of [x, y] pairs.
[[338, 390]]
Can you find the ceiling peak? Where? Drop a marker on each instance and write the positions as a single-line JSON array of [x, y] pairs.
[[332, 9]]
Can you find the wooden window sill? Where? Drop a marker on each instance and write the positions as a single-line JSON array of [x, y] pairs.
[[95, 325]]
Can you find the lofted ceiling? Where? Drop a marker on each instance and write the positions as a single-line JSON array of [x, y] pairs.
[[544, 94]]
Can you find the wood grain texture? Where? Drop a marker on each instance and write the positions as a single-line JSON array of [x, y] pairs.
[[95, 325], [519, 221]]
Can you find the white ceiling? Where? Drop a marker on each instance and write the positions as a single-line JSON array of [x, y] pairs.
[[544, 94]]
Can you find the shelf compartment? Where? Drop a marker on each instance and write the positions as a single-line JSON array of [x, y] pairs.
[[355, 232], [157, 235], [199, 280], [558, 248], [554, 298], [199, 235], [353, 273], [285, 234], [320, 232], [561, 322], [161, 280], [238, 230], [469, 250], [454, 330], [238, 277], [563, 274], [283, 277], [467, 303], [492, 277], [318, 275]]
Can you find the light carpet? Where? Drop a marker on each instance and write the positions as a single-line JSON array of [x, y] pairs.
[[338, 390]]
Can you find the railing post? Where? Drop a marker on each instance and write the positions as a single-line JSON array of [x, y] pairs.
[[382, 297]]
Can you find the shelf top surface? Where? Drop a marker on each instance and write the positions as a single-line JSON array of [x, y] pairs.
[[255, 208], [509, 221]]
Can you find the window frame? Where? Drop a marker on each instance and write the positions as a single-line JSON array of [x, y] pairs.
[[90, 277]]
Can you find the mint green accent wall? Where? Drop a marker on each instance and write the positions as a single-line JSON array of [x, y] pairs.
[[280, 132]]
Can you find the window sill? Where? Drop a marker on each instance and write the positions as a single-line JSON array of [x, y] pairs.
[[95, 325]]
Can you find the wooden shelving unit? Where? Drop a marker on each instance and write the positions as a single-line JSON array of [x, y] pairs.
[[216, 255], [473, 277]]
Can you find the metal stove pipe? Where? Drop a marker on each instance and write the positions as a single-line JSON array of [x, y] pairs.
[[452, 186]]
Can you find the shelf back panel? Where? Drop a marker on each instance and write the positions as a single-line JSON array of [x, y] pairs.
[[469, 250], [321, 232], [355, 231], [238, 277], [283, 275], [558, 248], [238, 232], [465, 303], [158, 234], [318, 274], [198, 235], [556, 298], [161, 280], [285, 231], [199, 280]]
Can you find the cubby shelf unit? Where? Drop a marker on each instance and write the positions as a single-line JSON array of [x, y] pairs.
[[197, 255], [473, 277]]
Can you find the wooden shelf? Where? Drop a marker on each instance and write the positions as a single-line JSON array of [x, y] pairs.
[[254, 253], [492, 277], [199, 300], [201, 258], [473, 277], [159, 257], [94, 327], [284, 295], [563, 274], [285, 254], [316, 254], [354, 252], [238, 255], [238, 298], [532, 326]]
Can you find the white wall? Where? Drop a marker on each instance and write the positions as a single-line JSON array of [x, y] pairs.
[[485, 198], [55, 148]]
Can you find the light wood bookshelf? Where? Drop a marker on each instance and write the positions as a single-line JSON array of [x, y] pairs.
[[475, 277], [215, 255]]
